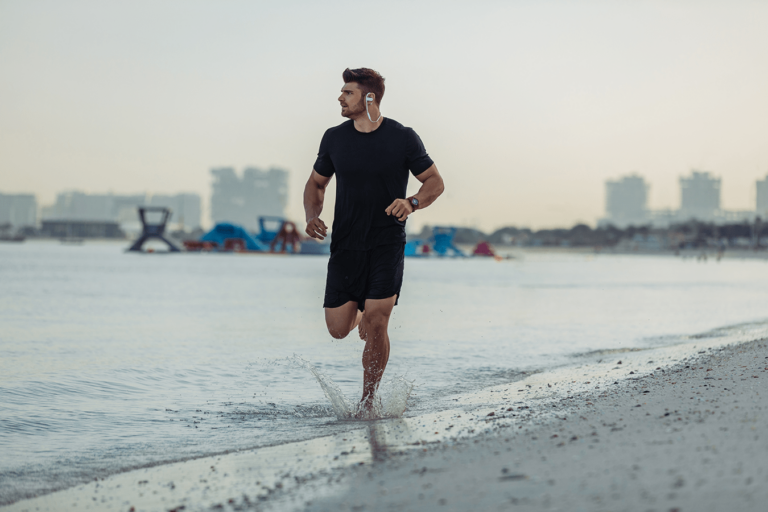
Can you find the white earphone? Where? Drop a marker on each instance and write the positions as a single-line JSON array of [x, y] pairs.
[[369, 99]]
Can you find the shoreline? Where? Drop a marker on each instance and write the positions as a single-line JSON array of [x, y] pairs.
[[289, 476], [514, 251], [692, 435]]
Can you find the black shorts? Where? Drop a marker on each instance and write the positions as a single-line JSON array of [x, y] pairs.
[[360, 275]]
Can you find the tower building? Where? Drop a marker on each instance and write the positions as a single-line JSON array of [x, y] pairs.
[[700, 196], [626, 201], [761, 205], [18, 210], [243, 200]]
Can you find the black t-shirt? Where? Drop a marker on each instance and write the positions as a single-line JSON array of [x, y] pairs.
[[371, 172]]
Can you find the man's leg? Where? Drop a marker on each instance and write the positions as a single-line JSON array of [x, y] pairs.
[[376, 352], [343, 319]]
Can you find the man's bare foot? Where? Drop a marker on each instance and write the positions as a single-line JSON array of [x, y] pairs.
[[369, 408], [365, 406], [361, 329]]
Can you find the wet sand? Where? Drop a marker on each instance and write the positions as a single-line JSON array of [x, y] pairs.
[[675, 428], [691, 436]]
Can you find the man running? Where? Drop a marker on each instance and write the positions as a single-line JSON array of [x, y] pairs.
[[370, 156]]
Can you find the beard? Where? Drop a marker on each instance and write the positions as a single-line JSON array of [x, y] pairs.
[[353, 111]]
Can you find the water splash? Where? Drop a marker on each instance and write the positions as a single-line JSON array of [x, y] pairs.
[[395, 393], [342, 407], [390, 401]]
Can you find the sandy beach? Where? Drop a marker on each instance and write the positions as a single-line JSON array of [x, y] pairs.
[[691, 436], [674, 428]]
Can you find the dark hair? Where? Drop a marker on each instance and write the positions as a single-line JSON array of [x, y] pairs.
[[368, 80]]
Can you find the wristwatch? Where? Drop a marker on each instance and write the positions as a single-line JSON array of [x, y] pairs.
[[414, 203]]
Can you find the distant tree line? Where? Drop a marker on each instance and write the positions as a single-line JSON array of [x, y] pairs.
[[692, 234]]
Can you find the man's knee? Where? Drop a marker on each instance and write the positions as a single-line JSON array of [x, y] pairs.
[[337, 329], [376, 321], [340, 321]]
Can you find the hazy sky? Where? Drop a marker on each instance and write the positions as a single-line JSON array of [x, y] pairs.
[[527, 107]]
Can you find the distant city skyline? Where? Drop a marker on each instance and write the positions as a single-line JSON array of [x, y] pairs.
[[526, 107], [241, 198], [123, 208], [626, 202]]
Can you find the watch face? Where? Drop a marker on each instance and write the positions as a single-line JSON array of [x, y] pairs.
[[414, 201]]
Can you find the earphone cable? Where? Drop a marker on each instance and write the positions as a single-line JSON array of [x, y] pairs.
[[369, 114]]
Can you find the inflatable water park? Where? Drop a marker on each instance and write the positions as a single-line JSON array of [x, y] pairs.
[[440, 244], [277, 235]]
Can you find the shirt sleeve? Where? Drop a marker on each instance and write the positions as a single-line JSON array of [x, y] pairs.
[[416, 155], [323, 164]]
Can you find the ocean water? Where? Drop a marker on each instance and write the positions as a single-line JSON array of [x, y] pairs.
[[112, 361]]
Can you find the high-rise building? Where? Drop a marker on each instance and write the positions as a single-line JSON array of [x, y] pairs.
[[93, 207], [700, 196], [18, 210], [243, 200], [626, 201], [761, 205], [185, 209], [700, 200]]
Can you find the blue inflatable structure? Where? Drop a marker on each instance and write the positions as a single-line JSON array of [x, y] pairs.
[[415, 248], [224, 230], [441, 242], [269, 227], [228, 236]]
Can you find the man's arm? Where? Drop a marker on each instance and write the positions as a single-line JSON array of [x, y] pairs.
[[314, 195], [431, 187]]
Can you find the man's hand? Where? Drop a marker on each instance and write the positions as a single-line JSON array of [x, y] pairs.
[[400, 208], [317, 228]]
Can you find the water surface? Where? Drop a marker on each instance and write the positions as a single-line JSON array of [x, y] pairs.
[[111, 361]]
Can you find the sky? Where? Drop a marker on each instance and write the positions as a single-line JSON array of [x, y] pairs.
[[527, 107]]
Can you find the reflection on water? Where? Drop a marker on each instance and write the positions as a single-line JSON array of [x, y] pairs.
[[380, 434]]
